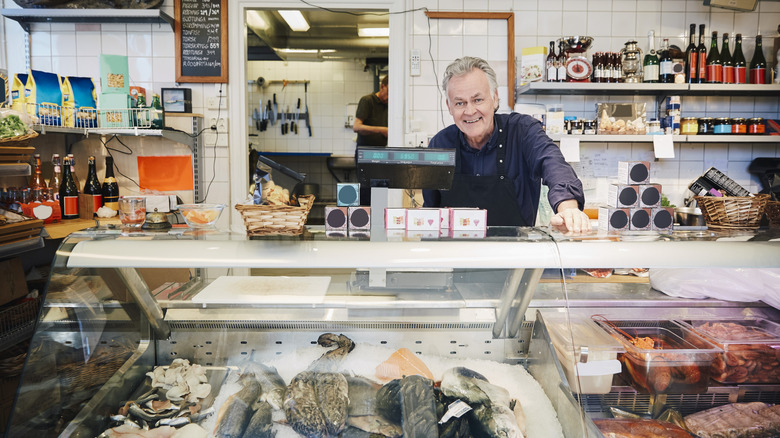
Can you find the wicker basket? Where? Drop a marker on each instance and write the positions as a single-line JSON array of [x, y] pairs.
[[19, 140], [264, 220], [733, 212], [773, 213]]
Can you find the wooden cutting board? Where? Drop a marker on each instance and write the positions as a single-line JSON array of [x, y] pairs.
[[20, 230]]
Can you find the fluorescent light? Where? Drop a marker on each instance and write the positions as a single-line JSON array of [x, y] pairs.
[[307, 50], [255, 20], [374, 31], [295, 20]]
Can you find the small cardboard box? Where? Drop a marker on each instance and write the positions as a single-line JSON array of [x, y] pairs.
[[641, 219], [444, 213], [335, 218], [663, 219], [114, 111], [623, 196], [612, 220], [359, 218], [347, 194], [532, 64], [14, 284], [114, 74], [633, 172], [649, 195], [473, 219], [395, 218], [422, 219], [555, 123]]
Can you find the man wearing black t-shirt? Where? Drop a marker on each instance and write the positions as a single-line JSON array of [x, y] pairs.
[[371, 118]]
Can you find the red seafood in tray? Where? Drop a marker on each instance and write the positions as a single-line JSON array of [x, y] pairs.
[[751, 349], [659, 358]]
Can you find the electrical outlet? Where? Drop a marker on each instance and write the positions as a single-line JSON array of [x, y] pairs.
[[214, 103], [221, 124], [415, 63]]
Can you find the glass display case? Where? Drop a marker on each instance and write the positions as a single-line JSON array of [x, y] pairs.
[[125, 312]]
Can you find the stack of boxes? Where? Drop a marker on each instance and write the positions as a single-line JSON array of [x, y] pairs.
[[436, 222], [347, 216], [634, 203]]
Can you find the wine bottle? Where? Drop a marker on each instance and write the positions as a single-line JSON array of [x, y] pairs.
[[56, 177], [110, 189], [37, 184], [561, 63], [725, 60], [666, 66], [701, 62], [73, 170], [92, 186], [69, 193], [156, 112], [714, 65], [691, 56], [650, 67], [740, 66], [551, 64], [758, 64]]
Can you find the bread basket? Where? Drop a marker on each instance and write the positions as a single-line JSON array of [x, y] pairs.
[[264, 220], [733, 212]]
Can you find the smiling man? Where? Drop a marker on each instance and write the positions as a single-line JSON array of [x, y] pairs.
[[502, 159]]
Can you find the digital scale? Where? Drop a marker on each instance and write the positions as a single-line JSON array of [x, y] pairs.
[[406, 168], [401, 168]]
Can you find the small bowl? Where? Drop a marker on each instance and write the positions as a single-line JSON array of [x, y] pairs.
[[689, 216], [201, 215]]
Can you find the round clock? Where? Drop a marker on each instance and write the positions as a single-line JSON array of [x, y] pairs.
[[578, 69]]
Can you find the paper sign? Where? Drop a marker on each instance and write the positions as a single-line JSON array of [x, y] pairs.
[[570, 148], [165, 173], [663, 146]]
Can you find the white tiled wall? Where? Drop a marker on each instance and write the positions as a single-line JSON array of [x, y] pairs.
[[611, 23], [333, 92]]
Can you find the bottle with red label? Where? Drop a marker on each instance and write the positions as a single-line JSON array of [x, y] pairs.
[[714, 63], [691, 58], [740, 65], [701, 62], [726, 61], [93, 187], [69, 193], [758, 64]]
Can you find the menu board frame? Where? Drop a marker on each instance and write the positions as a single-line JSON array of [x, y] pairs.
[[223, 45]]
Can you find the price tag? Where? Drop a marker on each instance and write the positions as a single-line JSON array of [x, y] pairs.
[[570, 148], [663, 146]]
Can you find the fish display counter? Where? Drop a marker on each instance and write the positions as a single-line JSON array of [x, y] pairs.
[[207, 333]]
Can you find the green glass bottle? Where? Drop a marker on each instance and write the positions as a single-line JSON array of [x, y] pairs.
[[156, 112]]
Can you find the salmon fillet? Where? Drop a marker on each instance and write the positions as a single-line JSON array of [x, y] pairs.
[[400, 364]]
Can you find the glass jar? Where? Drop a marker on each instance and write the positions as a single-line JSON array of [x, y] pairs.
[[654, 127], [722, 125], [589, 127], [706, 125], [689, 126], [756, 126], [738, 126], [576, 127]]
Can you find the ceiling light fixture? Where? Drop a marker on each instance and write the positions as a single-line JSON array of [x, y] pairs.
[[307, 50], [295, 20], [374, 31]]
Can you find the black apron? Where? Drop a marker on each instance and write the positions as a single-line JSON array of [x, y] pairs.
[[494, 193]]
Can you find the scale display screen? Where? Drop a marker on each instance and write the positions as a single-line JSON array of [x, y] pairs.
[[406, 168]]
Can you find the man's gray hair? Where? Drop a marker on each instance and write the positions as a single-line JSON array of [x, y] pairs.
[[466, 64]]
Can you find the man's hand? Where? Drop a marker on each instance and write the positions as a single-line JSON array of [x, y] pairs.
[[570, 219]]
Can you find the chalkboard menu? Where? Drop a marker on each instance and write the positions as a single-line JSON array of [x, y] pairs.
[[201, 40]]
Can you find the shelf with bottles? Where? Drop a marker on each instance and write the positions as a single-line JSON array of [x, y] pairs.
[[648, 89], [721, 138]]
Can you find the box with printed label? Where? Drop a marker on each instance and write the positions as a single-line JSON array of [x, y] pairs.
[[444, 213], [335, 218], [468, 219], [662, 218], [633, 172], [649, 195], [359, 218], [623, 196], [422, 219], [640, 219], [532, 63], [395, 218], [612, 220]]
